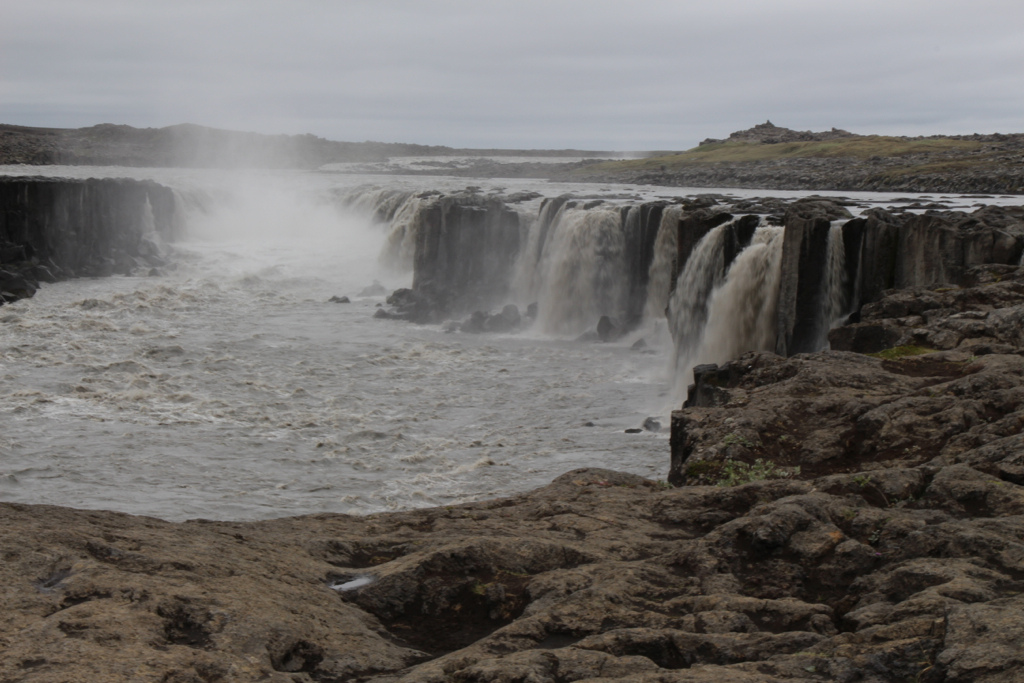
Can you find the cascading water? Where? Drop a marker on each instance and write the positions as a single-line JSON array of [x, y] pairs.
[[527, 280], [835, 305], [742, 311], [688, 306], [581, 270], [379, 203], [400, 246], [663, 265]]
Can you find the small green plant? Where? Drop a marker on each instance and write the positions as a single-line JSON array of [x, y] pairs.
[[849, 514], [862, 480], [703, 472], [734, 439], [736, 472]]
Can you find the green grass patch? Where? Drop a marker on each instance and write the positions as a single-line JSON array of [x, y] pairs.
[[863, 147], [902, 352], [731, 472]]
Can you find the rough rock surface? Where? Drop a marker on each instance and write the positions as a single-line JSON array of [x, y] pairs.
[[841, 517]]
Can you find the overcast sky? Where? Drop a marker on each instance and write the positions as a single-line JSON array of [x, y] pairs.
[[631, 74]]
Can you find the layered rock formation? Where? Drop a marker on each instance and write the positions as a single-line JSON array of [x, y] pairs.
[[54, 229], [838, 517]]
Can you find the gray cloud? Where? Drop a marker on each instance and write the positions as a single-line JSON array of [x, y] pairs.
[[641, 75]]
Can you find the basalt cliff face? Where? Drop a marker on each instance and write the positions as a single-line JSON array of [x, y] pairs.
[[55, 229], [582, 260], [837, 517], [829, 516]]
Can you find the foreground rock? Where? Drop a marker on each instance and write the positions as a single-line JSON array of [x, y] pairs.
[[842, 517], [599, 576]]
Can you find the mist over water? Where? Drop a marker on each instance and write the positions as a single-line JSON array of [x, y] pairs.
[[229, 386]]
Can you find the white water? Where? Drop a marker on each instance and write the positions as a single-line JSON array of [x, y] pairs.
[[663, 265], [731, 315], [689, 305], [581, 272], [229, 388], [742, 310], [834, 304]]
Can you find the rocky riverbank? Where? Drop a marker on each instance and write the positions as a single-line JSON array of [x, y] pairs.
[[838, 517]]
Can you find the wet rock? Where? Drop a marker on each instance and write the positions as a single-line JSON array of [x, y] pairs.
[[508, 319], [52, 229], [339, 300], [476, 323], [652, 424], [423, 306], [639, 345], [376, 289], [608, 330]]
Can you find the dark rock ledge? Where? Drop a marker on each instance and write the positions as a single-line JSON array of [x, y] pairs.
[[55, 229], [872, 529], [842, 517]]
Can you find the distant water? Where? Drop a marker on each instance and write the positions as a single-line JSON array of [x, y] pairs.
[[230, 388]]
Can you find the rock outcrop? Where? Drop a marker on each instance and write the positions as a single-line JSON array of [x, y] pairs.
[[835, 517], [54, 229]]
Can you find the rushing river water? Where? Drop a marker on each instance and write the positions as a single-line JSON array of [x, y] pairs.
[[231, 388]]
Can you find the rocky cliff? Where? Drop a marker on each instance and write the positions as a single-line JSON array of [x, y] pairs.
[[54, 229], [836, 517]]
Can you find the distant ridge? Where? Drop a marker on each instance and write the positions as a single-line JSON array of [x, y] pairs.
[[768, 133], [771, 157], [189, 145]]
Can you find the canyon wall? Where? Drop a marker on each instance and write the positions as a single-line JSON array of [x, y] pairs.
[[54, 229], [727, 277]]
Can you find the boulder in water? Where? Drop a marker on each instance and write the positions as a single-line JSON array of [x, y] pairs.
[[608, 330], [339, 300], [423, 305], [652, 425], [476, 323], [376, 289], [507, 320]]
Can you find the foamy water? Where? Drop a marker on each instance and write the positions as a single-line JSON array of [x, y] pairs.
[[231, 388]]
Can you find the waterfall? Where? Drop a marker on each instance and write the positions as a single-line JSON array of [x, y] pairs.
[[742, 310], [527, 280], [659, 281], [834, 304], [688, 306], [399, 248], [581, 273], [379, 203]]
